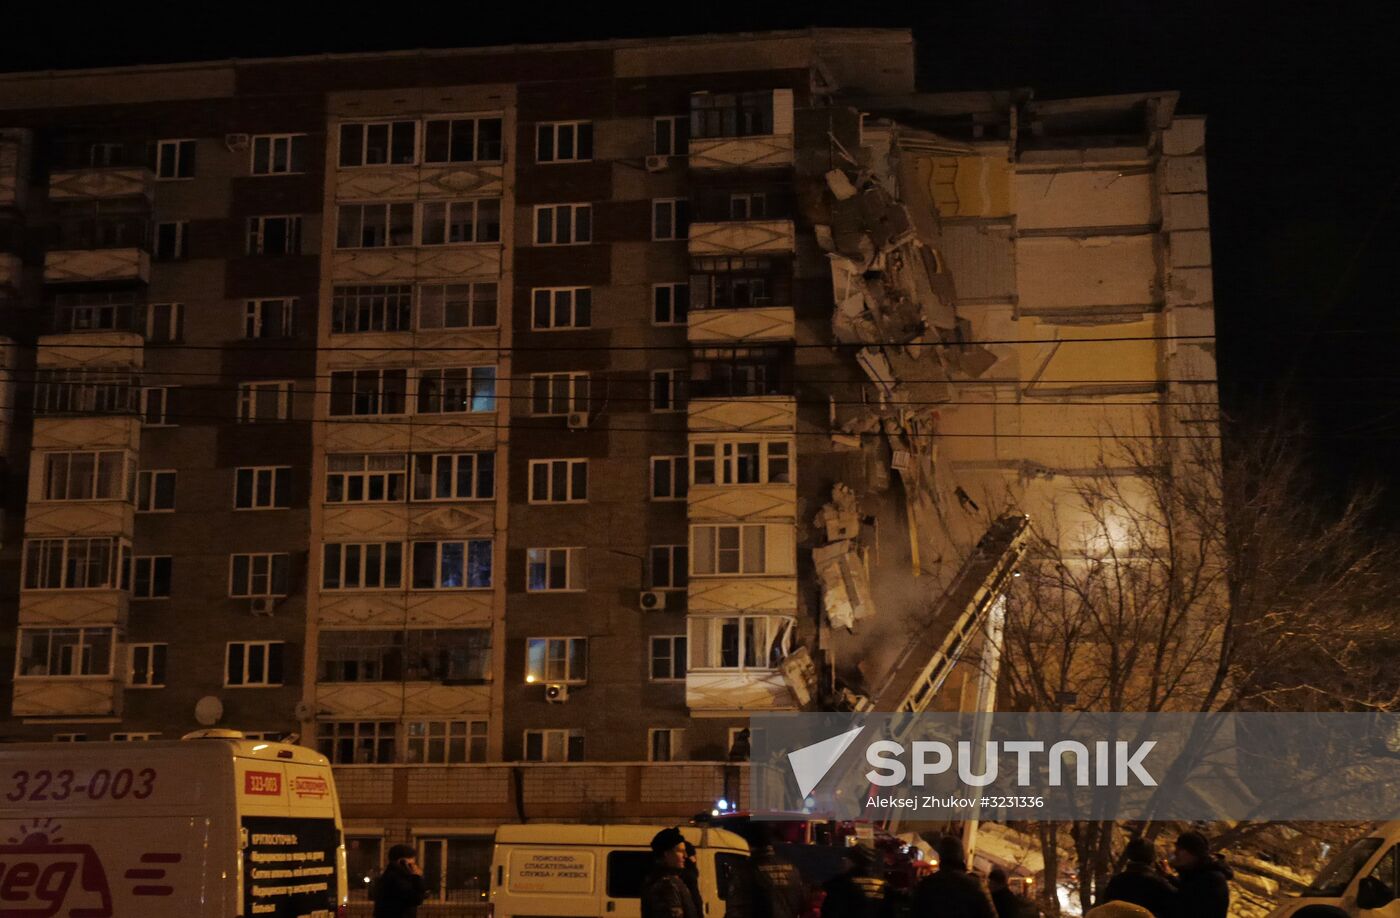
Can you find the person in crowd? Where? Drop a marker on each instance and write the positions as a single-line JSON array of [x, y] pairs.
[[859, 891], [951, 892], [400, 889], [1202, 879], [690, 873], [664, 891], [1005, 900], [766, 885], [1141, 883]]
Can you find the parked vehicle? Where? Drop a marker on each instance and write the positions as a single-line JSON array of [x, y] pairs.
[[1360, 882]]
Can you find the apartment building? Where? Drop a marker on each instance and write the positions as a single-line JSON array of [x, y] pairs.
[[511, 423]]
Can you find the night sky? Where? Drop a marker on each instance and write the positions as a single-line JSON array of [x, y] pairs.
[[1305, 189]]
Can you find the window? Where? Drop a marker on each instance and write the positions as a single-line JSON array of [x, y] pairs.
[[358, 478], [554, 745], [671, 136], [95, 311], [744, 114], [263, 574], [462, 140], [65, 652], [264, 401], [558, 481], [146, 666], [265, 487], [269, 318], [453, 222], [170, 241], [133, 737], [164, 322], [741, 372], [670, 304], [667, 567], [561, 307], [457, 390], [362, 566], [457, 655], [558, 394], [371, 308], [70, 738], [670, 218], [84, 391], [253, 663], [369, 392], [84, 475], [452, 565], [667, 390], [564, 141], [374, 226], [444, 742], [274, 235], [749, 205], [381, 143], [457, 305], [730, 462], [738, 641], [733, 549], [554, 570], [563, 224], [456, 869], [668, 478], [279, 154], [556, 659], [664, 744], [174, 160], [155, 491], [155, 406], [454, 476], [668, 658], [150, 576], [356, 742], [74, 564]]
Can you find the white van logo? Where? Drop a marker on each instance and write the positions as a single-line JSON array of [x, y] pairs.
[[42, 875]]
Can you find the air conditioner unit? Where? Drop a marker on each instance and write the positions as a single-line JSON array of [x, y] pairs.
[[651, 601], [578, 420], [556, 693], [262, 605], [236, 142], [658, 163]]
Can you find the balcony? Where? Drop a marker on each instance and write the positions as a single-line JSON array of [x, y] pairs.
[[770, 151], [757, 414], [737, 692], [742, 237], [740, 326], [87, 171], [392, 699], [96, 248], [64, 697], [504, 792]]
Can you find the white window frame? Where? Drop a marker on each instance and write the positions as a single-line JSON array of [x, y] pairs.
[[669, 128], [361, 565], [118, 553], [181, 250], [476, 156], [723, 461], [575, 576], [575, 130], [577, 401], [675, 739], [343, 211], [364, 138], [147, 394], [275, 474], [577, 214], [670, 219], [255, 318], [571, 485], [181, 165], [82, 647], [151, 650], [371, 308], [171, 329], [466, 543], [93, 478], [150, 562], [473, 736], [454, 460], [674, 471], [712, 533], [146, 490], [473, 380], [548, 738], [367, 476], [557, 649], [423, 297], [665, 314], [777, 632], [669, 647], [674, 382], [380, 374], [270, 557], [248, 400], [741, 205], [561, 307], [672, 571], [256, 234], [329, 733], [279, 162], [449, 208], [250, 679]]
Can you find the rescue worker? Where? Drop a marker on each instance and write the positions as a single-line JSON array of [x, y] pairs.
[[859, 891], [664, 891], [766, 885]]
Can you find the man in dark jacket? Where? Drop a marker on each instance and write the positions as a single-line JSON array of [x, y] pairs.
[[664, 893], [1202, 880], [766, 886], [1141, 883], [951, 892], [1007, 903], [858, 892], [690, 873], [400, 888]]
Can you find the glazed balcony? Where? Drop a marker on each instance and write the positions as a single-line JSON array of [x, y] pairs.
[[87, 171], [99, 249]]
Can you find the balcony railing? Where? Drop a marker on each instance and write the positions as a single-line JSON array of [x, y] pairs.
[[86, 391]]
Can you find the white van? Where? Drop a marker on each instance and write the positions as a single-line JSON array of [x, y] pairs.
[[1360, 882], [546, 869], [212, 826]]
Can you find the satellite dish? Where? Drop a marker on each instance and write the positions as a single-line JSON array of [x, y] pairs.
[[208, 710]]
